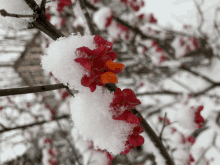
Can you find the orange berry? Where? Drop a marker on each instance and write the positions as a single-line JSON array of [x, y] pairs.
[[114, 65], [109, 77]]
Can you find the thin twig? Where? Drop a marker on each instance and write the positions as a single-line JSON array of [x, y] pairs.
[[201, 17], [88, 19], [4, 13], [164, 125], [34, 124], [25, 90]]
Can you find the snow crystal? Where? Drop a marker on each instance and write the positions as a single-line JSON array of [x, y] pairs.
[[100, 17], [92, 118], [59, 59], [15, 7]]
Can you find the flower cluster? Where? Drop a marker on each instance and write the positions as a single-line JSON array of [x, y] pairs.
[[62, 4], [99, 64], [121, 105], [101, 70], [147, 18], [160, 57], [99, 115], [189, 139], [191, 159], [134, 4], [189, 43]]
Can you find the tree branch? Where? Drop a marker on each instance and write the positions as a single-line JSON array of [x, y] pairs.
[[34, 124], [25, 90], [86, 14]]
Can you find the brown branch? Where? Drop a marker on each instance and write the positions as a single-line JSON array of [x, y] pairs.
[[197, 74], [32, 4], [86, 14], [154, 138], [201, 17], [135, 30], [164, 125], [4, 13], [159, 93], [25, 90], [34, 124]]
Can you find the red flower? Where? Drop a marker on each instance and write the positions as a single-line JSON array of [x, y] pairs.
[[28, 105], [110, 158], [52, 162], [134, 139], [191, 159], [198, 118], [154, 43], [50, 151], [173, 130], [167, 121], [152, 19], [62, 4], [65, 95], [129, 117], [141, 16], [47, 140], [109, 20], [125, 98], [99, 64], [94, 1], [48, 16], [191, 140], [52, 111], [133, 142]]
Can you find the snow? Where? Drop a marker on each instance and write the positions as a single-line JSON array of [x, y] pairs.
[[61, 61], [92, 118], [185, 117], [89, 154], [15, 7], [100, 17]]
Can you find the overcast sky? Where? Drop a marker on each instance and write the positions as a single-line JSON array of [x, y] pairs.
[[178, 12]]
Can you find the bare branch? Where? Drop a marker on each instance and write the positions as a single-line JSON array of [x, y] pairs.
[[86, 14], [4, 13], [34, 124], [25, 90], [164, 125], [201, 16]]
